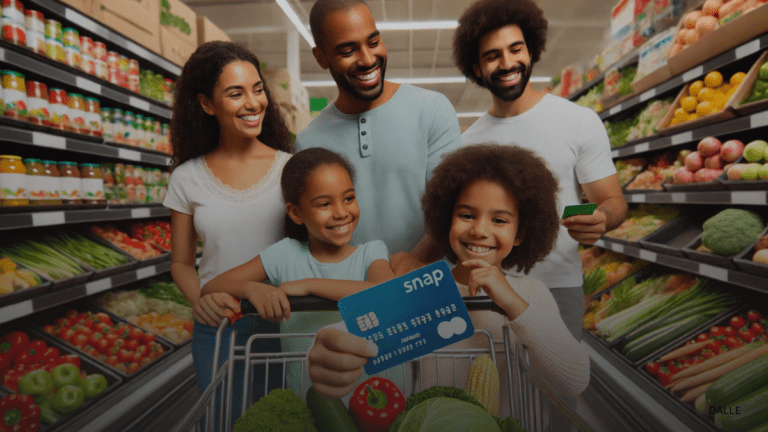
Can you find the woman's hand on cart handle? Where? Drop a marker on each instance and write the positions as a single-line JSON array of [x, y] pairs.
[[336, 360], [211, 308]]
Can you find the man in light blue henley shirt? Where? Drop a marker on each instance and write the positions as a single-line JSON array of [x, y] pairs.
[[393, 134]]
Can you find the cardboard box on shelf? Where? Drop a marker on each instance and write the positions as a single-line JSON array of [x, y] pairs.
[[279, 82], [138, 20], [84, 6], [178, 31], [207, 31]]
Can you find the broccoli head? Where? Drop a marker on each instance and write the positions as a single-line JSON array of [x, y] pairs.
[[731, 230], [279, 411]]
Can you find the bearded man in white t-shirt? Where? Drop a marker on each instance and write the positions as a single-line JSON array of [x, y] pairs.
[[495, 46]]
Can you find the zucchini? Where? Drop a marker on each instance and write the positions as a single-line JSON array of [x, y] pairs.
[[739, 382], [746, 413], [652, 342], [701, 405], [706, 309], [330, 413]]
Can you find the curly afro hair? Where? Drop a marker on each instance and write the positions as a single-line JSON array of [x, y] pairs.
[[485, 16], [521, 172]]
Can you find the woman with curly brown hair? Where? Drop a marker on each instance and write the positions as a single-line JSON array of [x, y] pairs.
[[229, 148]]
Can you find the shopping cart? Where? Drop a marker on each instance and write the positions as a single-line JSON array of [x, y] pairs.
[[213, 410]]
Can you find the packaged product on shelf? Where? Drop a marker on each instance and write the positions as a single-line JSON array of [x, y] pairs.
[[37, 182], [70, 183], [72, 57], [71, 37], [113, 67], [107, 127], [14, 95], [14, 278], [35, 24], [86, 53], [13, 181], [137, 247], [618, 83], [133, 75], [76, 104], [92, 184], [14, 29], [157, 134], [641, 221], [129, 131], [58, 105], [54, 40], [93, 116], [108, 174], [650, 119], [139, 137], [119, 173], [629, 168], [37, 103], [149, 132], [54, 182], [2, 104], [118, 125], [123, 75], [168, 88]]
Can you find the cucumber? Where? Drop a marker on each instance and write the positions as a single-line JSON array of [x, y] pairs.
[[330, 413], [701, 404], [652, 342], [746, 413], [739, 382]]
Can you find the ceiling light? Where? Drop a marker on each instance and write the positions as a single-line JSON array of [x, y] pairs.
[[417, 25], [296, 21]]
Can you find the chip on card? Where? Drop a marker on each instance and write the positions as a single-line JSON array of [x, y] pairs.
[[409, 316]]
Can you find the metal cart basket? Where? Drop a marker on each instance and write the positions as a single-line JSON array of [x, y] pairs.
[[214, 409]]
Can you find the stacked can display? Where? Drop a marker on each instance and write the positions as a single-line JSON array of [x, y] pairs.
[[132, 184], [54, 40], [35, 24], [14, 28], [14, 95]]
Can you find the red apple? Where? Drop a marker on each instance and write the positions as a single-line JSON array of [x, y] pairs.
[[706, 175], [713, 162], [731, 150], [693, 161], [709, 146], [734, 172], [682, 176]]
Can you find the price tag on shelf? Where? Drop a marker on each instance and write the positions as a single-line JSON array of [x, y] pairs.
[[614, 109], [637, 198], [76, 18], [681, 138], [758, 120], [648, 255], [50, 141], [129, 154], [748, 197], [138, 103], [647, 95], [88, 85], [140, 213], [145, 272], [98, 286], [713, 272], [16, 310], [48, 218], [614, 153], [747, 49], [693, 73], [679, 197], [644, 147], [2, 54], [617, 247]]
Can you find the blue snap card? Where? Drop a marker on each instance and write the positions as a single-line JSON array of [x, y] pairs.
[[409, 316]]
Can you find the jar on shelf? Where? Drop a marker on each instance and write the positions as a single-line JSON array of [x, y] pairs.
[[70, 183], [118, 125], [157, 133], [13, 25], [138, 130], [129, 132], [92, 184], [54, 182], [76, 104], [2, 104], [99, 53], [37, 182], [149, 132], [108, 174], [58, 105], [119, 174], [14, 95], [54, 40], [93, 116], [113, 66], [13, 181], [130, 190], [87, 64], [35, 24], [168, 87], [133, 75], [71, 39], [37, 103], [123, 75], [107, 127]]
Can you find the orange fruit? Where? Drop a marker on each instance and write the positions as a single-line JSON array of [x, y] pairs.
[[713, 79], [688, 103], [704, 108], [707, 94], [720, 100], [737, 78], [681, 114], [693, 116], [695, 87]]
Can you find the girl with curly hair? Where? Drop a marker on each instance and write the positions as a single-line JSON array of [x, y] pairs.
[[229, 148]]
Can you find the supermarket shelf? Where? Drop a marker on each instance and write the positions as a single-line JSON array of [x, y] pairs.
[[734, 277], [109, 35], [697, 72], [19, 135], [714, 197], [739, 124], [28, 62], [11, 221], [630, 58]]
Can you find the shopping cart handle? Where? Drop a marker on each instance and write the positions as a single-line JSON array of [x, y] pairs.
[[314, 303]]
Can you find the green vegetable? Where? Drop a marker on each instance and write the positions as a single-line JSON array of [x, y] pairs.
[[764, 71], [65, 374], [738, 383], [330, 413], [164, 291], [652, 342], [47, 414], [36, 383], [93, 385], [67, 399], [731, 230], [85, 250], [39, 257], [746, 413], [279, 411], [593, 281]]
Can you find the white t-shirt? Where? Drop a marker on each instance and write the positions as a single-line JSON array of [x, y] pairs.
[[573, 141], [234, 225]]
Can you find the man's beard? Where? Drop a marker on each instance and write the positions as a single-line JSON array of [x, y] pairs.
[[344, 81], [508, 93]]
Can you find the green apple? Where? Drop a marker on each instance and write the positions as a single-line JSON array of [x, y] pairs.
[[65, 374], [755, 151], [751, 172], [763, 173], [68, 399], [93, 385]]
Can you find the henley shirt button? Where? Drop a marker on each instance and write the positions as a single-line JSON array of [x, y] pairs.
[[362, 133], [362, 120], [365, 146]]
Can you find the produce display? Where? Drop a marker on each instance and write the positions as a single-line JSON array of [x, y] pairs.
[[19, 412], [661, 168], [618, 131], [593, 98], [618, 83], [279, 410], [603, 268], [158, 233], [759, 89], [756, 166], [708, 161], [84, 250], [743, 393], [706, 97], [137, 247], [123, 347], [650, 119], [628, 168], [761, 250], [13, 278], [40, 257], [731, 231], [641, 221]]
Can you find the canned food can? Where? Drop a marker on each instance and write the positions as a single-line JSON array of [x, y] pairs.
[[123, 75], [34, 20], [77, 113], [87, 64], [106, 124], [114, 75], [133, 75], [138, 127], [93, 116], [113, 60], [14, 95], [119, 174], [59, 108], [72, 57], [54, 49], [14, 32], [71, 38], [13, 10], [99, 51], [101, 69], [36, 42], [37, 103], [118, 125], [86, 46], [53, 30]]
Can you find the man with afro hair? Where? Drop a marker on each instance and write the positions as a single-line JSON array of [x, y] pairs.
[[496, 44]]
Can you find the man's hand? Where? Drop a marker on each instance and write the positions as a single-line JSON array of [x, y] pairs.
[[586, 229], [404, 262], [336, 360], [212, 308]]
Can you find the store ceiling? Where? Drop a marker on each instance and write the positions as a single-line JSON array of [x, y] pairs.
[[577, 29]]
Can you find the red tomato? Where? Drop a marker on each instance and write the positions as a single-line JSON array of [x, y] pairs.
[[112, 351], [84, 330], [664, 377], [70, 358], [65, 333], [142, 349], [135, 333], [707, 353], [702, 337], [103, 328], [50, 353], [148, 338], [104, 318], [136, 357], [733, 342], [737, 322], [729, 331], [80, 340], [652, 368], [757, 328], [131, 344], [714, 346], [124, 356], [94, 338], [746, 335], [91, 323], [119, 343], [131, 368], [50, 329], [111, 360], [102, 345], [111, 337], [90, 350], [716, 331], [673, 367], [754, 316]]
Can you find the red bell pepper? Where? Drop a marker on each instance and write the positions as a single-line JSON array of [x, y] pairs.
[[14, 343], [375, 404], [19, 413]]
